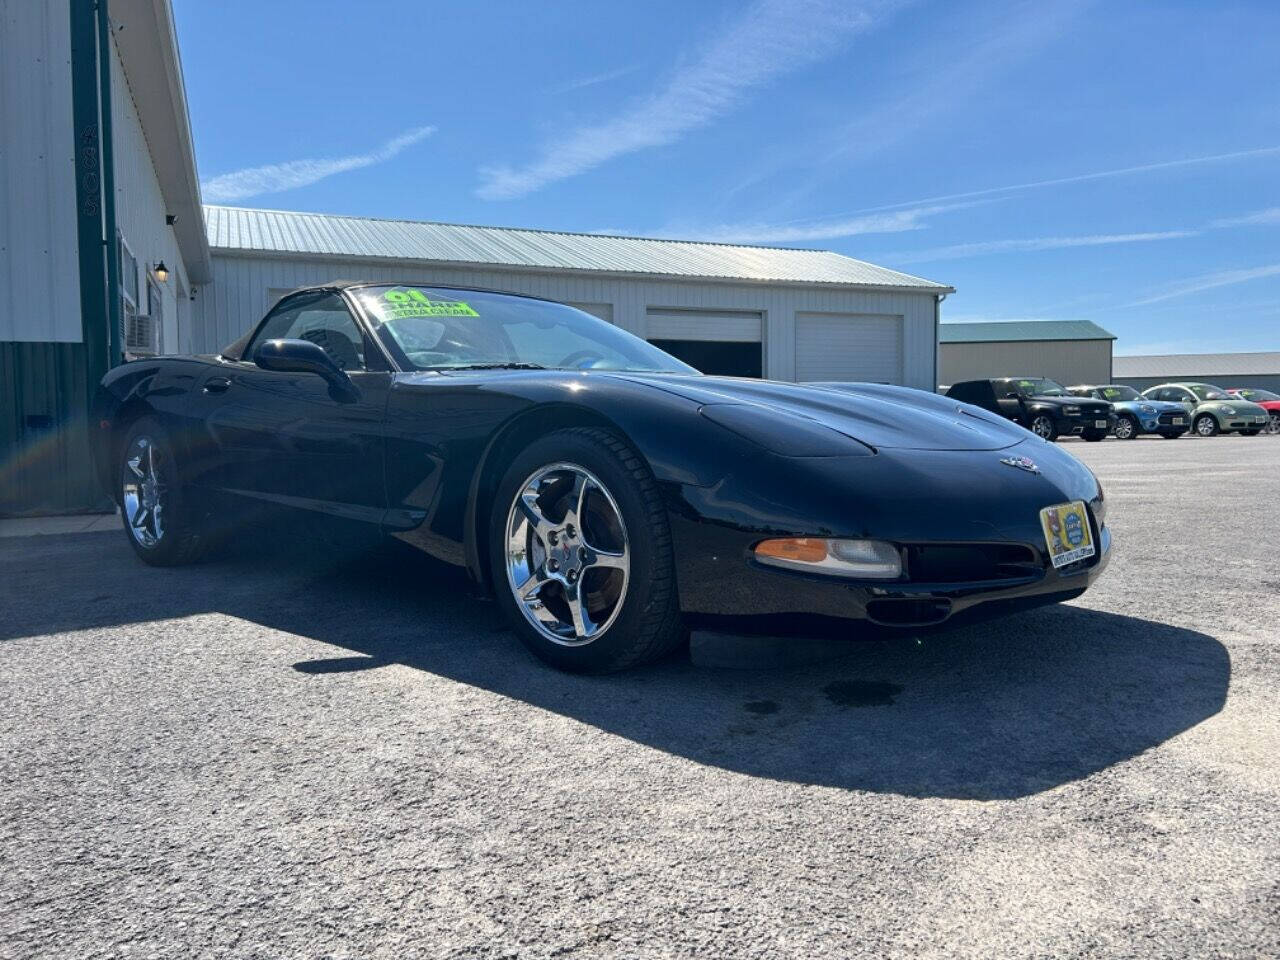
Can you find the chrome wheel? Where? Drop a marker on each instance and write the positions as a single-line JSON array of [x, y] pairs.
[[568, 562], [1042, 427], [144, 492], [1124, 429]]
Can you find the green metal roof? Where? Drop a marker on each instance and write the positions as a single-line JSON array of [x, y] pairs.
[[1004, 331]]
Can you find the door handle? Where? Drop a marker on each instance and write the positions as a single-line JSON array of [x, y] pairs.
[[217, 385]]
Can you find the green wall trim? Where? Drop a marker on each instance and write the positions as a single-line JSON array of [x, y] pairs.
[[95, 317], [45, 462]]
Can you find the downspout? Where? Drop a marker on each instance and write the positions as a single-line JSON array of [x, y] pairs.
[[109, 188], [937, 321]]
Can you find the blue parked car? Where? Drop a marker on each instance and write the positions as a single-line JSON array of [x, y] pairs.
[[1135, 414]]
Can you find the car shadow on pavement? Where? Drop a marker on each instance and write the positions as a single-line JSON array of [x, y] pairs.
[[1001, 710]]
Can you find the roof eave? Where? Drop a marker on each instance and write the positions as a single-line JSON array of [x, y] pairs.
[[149, 51], [931, 290]]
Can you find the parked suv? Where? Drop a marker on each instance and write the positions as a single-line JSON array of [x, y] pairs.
[[1212, 409], [1135, 414], [1041, 405]]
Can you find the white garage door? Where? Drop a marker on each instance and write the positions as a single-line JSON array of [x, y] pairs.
[[602, 310], [726, 326], [854, 347]]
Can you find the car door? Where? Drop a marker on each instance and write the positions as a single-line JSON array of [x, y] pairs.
[[289, 440], [1008, 400]]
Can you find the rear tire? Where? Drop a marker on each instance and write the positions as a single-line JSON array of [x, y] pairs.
[[1206, 425], [159, 518], [1126, 427], [580, 554], [1044, 428]]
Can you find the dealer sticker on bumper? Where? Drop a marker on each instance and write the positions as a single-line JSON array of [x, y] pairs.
[[1066, 533]]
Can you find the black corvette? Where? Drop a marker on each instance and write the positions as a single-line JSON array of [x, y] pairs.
[[599, 488]]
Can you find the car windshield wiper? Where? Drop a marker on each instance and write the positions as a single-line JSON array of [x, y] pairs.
[[496, 365]]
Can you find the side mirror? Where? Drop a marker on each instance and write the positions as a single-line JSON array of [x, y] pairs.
[[1012, 395], [303, 356]]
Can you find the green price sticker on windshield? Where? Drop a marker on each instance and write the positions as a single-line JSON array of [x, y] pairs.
[[399, 304]]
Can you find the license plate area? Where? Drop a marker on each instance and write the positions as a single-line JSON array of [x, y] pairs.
[[1100, 424], [1066, 533]]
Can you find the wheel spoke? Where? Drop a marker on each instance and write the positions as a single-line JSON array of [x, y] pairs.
[[582, 623], [531, 586], [577, 497], [528, 504], [135, 465], [606, 559], [139, 518]]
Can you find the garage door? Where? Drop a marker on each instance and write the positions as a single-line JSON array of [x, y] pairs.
[[854, 347], [731, 326], [602, 310], [725, 342]]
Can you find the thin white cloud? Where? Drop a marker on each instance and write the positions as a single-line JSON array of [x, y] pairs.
[[960, 251], [775, 37], [1075, 178], [1210, 281], [594, 80], [1268, 217], [275, 177], [896, 221]]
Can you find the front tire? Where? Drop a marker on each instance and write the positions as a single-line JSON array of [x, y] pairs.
[[1044, 428], [1126, 427], [1206, 425], [157, 514], [1273, 424], [580, 554]]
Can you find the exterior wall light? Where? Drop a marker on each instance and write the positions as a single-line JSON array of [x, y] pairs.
[[161, 272]]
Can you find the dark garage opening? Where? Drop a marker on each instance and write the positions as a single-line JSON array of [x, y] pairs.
[[717, 357]]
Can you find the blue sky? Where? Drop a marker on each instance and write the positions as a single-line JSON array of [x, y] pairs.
[[1110, 161]]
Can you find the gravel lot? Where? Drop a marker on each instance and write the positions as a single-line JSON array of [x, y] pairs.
[[279, 756]]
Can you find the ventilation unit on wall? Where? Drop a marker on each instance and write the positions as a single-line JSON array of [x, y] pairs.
[[141, 336]]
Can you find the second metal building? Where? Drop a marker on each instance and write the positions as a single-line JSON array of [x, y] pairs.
[[749, 311]]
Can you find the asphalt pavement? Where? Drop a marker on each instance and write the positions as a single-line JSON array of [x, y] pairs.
[[290, 754]]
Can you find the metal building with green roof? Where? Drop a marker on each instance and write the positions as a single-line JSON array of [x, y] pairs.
[[1069, 351]]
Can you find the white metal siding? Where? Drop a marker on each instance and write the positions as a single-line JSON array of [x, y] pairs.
[[725, 326], [864, 349], [140, 207], [39, 255], [237, 298]]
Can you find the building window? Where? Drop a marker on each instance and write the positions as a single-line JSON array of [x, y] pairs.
[[155, 312]]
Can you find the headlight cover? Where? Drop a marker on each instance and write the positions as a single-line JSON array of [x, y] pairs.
[[1147, 408], [855, 559], [1229, 411]]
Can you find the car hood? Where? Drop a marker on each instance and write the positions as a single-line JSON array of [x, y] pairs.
[[876, 415], [1160, 406], [1241, 407]]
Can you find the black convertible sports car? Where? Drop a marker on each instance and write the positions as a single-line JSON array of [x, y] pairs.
[[599, 488]]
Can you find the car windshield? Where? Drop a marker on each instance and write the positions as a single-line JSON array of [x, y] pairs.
[[1207, 391], [430, 328], [1259, 396], [1040, 387], [1119, 394]]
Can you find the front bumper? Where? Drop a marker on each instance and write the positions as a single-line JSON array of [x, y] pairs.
[[1077, 426], [744, 596]]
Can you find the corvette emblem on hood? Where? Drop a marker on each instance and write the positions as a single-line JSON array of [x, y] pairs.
[[1022, 463]]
